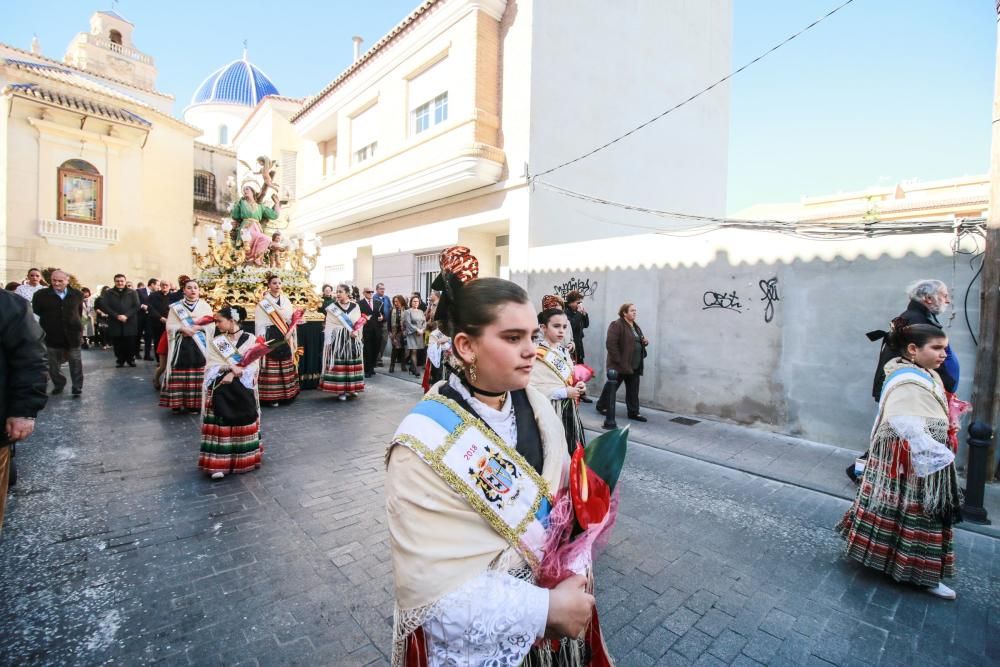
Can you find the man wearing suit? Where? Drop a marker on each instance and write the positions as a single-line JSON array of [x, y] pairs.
[[58, 309], [371, 334], [386, 312], [145, 322]]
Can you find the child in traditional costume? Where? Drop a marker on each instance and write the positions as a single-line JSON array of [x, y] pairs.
[[343, 367], [901, 520], [552, 375], [279, 378], [472, 474], [230, 425], [186, 342]]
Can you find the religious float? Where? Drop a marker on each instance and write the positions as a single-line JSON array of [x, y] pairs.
[[248, 247]]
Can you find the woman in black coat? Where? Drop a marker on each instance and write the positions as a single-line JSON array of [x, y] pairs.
[[626, 346]]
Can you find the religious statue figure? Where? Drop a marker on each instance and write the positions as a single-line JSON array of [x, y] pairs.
[[251, 215], [276, 251]]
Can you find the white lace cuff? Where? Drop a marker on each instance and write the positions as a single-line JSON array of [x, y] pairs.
[[492, 619], [559, 394], [927, 455]]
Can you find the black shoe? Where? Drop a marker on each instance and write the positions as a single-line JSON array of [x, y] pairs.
[[57, 390], [601, 410], [637, 418], [608, 426], [851, 475], [584, 399], [132, 364], [119, 364], [77, 392]]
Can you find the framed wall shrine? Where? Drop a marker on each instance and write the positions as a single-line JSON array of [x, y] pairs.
[[81, 193]]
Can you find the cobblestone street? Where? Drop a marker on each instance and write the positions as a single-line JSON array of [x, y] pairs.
[[117, 550]]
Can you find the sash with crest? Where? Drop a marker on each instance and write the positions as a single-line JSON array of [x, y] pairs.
[[278, 320], [229, 352], [185, 317], [347, 319], [477, 464], [556, 362]]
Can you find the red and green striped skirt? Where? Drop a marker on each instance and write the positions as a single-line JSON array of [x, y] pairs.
[[343, 376], [894, 536], [278, 380], [228, 449], [183, 389]]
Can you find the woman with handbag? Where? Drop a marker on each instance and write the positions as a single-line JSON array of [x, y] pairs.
[[626, 347], [396, 336]]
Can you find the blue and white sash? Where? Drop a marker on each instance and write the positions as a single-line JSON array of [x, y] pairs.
[[909, 375], [228, 351], [185, 317], [345, 317], [557, 362], [478, 465]]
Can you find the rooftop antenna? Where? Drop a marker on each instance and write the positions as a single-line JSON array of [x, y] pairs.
[[244, 49]]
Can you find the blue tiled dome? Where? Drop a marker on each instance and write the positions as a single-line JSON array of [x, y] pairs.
[[239, 82]]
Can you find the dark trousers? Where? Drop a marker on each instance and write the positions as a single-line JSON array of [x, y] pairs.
[[149, 338], [370, 337], [57, 357], [124, 348], [631, 394], [383, 338], [141, 333]]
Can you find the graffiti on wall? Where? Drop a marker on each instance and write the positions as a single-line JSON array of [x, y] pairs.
[[584, 287], [731, 301], [769, 288], [723, 300]]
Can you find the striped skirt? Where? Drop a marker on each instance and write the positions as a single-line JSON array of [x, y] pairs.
[[278, 380], [183, 389], [343, 376], [894, 536], [228, 449]]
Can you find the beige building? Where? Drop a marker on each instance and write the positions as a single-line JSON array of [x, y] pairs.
[[947, 199], [425, 140], [98, 176]]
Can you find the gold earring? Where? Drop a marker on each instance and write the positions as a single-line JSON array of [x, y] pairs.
[[472, 370]]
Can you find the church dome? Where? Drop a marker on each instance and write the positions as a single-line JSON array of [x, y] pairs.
[[239, 82]]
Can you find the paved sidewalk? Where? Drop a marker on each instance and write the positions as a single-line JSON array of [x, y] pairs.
[[804, 463], [118, 551]]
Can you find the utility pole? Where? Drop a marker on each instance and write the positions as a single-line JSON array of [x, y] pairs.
[[985, 401]]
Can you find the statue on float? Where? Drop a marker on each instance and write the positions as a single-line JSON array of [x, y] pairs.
[[250, 247]]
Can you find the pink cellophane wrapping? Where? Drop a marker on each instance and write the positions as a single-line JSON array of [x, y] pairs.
[[566, 555], [360, 323], [956, 408], [582, 373]]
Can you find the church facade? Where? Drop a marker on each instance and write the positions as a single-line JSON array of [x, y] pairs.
[[97, 172]]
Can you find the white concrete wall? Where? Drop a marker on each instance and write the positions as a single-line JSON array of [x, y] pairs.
[[808, 372], [598, 70], [208, 117]]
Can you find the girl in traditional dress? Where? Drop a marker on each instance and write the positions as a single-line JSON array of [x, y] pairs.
[[251, 217], [230, 425], [471, 473], [279, 379], [343, 368], [901, 520], [553, 375], [186, 341]]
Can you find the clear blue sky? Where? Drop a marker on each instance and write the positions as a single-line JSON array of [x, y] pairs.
[[882, 91]]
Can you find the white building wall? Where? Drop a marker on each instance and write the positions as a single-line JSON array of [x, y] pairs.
[[629, 62], [208, 118]]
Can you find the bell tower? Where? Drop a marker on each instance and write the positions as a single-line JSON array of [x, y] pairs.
[[108, 50]]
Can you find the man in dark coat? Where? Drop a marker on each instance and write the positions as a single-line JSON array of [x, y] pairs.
[[145, 322], [928, 299], [371, 334], [578, 321], [22, 379], [157, 311], [59, 308], [122, 306]]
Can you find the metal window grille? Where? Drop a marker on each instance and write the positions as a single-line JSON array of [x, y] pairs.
[[204, 186]]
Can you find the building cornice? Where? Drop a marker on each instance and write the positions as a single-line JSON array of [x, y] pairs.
[[493, 8]]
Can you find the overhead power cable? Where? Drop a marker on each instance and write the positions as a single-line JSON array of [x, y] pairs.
[[818, 230], [698, 94]]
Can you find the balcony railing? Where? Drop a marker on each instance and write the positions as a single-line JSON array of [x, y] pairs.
[[77, 234], [124, 51]]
